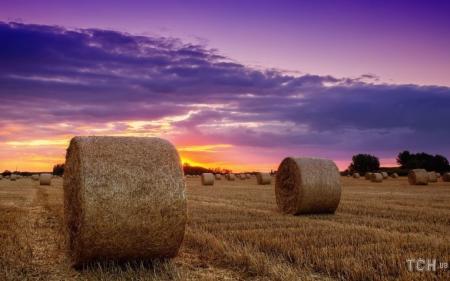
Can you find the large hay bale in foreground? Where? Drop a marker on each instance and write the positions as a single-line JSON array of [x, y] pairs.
[[376, 177], [263, 178], [307, 185], [124, 199], [207, 179], [356, 175], [418, 177], [385, 175], [45, 179], [432, 177], [368, 176], [231, 177], [446, 177]]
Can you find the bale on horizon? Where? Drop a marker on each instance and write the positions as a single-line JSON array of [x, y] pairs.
[[207, 179], [446, 177], [35, 177], [307, 185], [356, 175], [385, 175], [230, 177], [368, 176], [432, 177], [418, 177], [263, 178], [394, 175], [376, 177], [124, 199], [13, 177], [218, 176], [45, 179]]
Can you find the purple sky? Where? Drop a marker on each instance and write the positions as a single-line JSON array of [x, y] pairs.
[[213, 79]]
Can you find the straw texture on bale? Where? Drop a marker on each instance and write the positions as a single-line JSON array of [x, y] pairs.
[[207, 179], [376, 177], [394, 175], [446, 177], [385, 175], [368, 176], [307, 185], [263, 178], [231, 177], [218, 176], [45, 179], [432, 177], [418, 177], [356, 175], [124, 199]]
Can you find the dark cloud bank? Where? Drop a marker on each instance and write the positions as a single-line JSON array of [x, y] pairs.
[[51, 74]]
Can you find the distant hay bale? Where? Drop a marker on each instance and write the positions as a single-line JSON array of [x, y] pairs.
[[124, 199], [218, 176], [207, 179], [376, 177], [368, 176], [385, 175], [248, 176], [231, 177], [418, 177], [1, 177], [263, 178], [35, 177], [394, 175], [432, 177], [45, 179], [356, 175], [438, 175], [446, 177], [13, 177], [307, 185]]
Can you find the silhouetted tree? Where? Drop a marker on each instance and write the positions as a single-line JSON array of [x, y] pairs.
[[6, 173], [58, 169], [363, 163], [423, 160]]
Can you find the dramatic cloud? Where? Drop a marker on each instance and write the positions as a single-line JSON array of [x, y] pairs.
[[57, 82]]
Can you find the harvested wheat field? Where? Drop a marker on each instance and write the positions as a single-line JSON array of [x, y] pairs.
[[235, 232]]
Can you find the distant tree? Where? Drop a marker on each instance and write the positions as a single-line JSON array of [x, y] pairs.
[[363, 163], [423, 160], [6, 173], [58, 169]]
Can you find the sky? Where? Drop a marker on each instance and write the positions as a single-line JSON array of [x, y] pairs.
[[233, 84]]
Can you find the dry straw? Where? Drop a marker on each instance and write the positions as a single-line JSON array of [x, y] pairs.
[[368, 176], [385, 175], [45, 179], [207, 179], [307, 185], [432, 177], [356, 175], [418, 177], [263, 178], [446, 177], [376, 177], [124, 199]]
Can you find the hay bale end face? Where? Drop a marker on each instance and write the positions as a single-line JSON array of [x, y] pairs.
[[432, 177], [124, 199], [263, 178], [418, 177], [376, 177], [207, 179], [45, 179], [307, 185], [356, 175]]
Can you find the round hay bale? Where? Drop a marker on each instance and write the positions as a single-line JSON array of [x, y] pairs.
[[385, 175], [124, 199], [394, 175], [307, 185], [368, 176], [13, 177], [432, 177], [418, 177], [35, 177], [218, 176], [207, 179], [248, 176], [45, 179], [231, 177], [376, 177], [356, 175], [446, 177], [263, 178]]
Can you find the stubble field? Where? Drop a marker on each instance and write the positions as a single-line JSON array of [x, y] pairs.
[[235, 232]]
